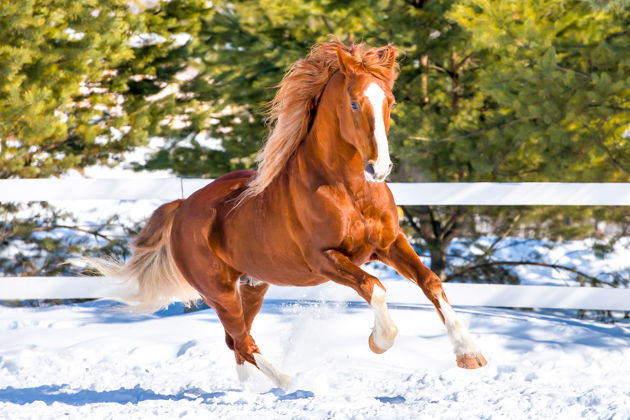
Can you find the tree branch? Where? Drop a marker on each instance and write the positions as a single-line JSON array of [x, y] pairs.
[[464, 61], [451, 227], [595, 280], [577, 73], [616, 35], [442, 69], [513, 222], [78, 229], [427, 229], [432, 227], [412, 222], [612, 158]]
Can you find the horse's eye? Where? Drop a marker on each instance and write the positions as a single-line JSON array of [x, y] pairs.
[[354, 105], [393, 105]]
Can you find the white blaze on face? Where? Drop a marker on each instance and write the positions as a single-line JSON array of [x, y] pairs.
[[383, 163]]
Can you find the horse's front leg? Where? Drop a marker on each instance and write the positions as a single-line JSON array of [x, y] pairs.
[[404, 259], [340, 269]]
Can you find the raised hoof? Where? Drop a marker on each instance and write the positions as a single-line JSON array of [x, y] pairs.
[[471, 361], [374, 347]]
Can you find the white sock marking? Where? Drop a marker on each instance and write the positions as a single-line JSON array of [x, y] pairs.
[[384, 329], [244, 371], [461, 339], [382, 166], [278, 378]]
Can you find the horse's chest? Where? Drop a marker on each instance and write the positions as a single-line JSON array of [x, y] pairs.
[[366, 229], [357, 226]]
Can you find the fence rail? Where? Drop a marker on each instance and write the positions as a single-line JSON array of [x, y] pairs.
[[430, 193], [491, 194], [399, 292]]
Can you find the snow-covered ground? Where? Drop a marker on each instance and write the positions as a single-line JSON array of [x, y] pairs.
[[94, 361]]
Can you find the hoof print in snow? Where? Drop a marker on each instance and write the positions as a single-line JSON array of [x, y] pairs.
[[398, 399], [296, 395], [185, 347]]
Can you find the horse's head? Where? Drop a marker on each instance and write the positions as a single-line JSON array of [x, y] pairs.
[[365, 105]]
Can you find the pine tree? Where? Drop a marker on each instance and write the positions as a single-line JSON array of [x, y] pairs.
[[56, 108]]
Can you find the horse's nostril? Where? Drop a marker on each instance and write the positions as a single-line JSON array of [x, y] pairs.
[[389, 168], [369, 168]]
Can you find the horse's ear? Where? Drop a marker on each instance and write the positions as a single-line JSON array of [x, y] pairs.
[[346, 62], [388, 56]]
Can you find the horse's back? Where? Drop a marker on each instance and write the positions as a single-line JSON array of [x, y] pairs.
[[221, 188], [199, 210]]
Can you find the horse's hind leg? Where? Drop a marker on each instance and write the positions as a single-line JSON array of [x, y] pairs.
[[252, 294], [228, 306], [226, 302], [217, 283], [403, 258], [340, 269]]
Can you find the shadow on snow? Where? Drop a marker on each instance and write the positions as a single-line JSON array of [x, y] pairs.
[[49, 394]]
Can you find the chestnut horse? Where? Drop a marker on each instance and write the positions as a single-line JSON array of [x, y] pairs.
[[316, 210]]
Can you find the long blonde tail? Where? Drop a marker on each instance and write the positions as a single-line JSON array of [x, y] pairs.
[[151, 272]]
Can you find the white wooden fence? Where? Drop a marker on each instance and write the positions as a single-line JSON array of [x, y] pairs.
[[430, 193], [608, 194]]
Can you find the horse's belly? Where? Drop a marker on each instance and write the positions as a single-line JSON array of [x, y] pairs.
[[280, 271], [293, 279], [278, 262]]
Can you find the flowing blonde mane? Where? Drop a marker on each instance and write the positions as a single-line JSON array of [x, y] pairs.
[[291, 110]]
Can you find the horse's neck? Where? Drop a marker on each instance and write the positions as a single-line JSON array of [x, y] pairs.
[[326, 154]]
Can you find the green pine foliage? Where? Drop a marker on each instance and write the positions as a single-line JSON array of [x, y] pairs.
[[56, 99], [560, 81]]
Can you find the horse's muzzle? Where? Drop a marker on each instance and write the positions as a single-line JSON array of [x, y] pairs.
[[373, 175]]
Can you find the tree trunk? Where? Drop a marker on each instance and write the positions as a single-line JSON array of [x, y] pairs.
[[438, 260], [437, 232]]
